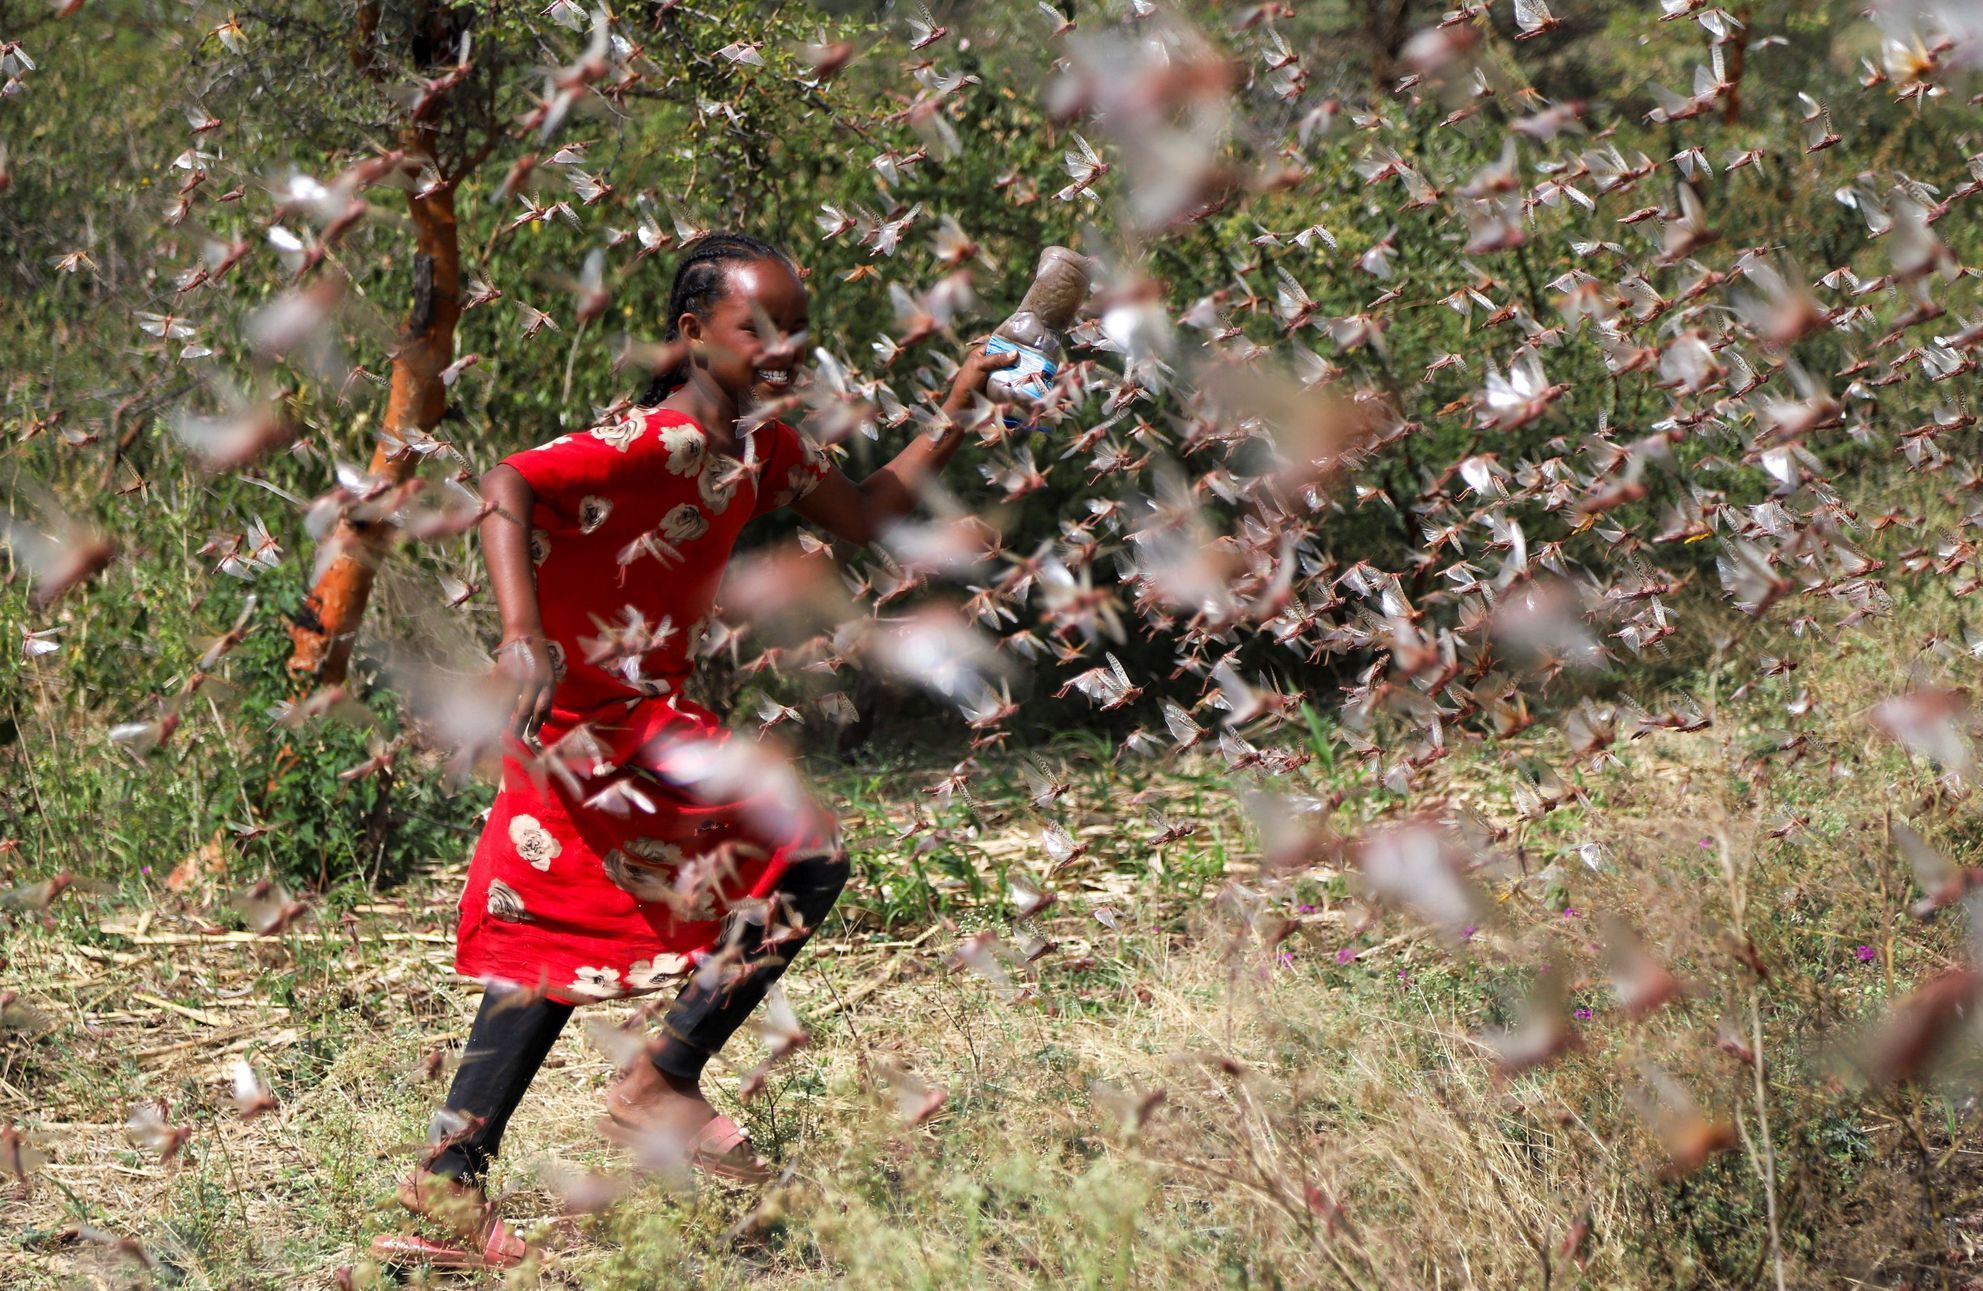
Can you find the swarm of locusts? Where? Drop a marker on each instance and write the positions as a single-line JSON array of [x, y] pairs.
[[1675, 417]]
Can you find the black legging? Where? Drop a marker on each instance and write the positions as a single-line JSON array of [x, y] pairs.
[[506, 1046]]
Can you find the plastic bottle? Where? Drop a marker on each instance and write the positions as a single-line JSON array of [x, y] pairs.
[[1060, 285]]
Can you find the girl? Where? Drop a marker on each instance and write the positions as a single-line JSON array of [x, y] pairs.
[[620, 857]]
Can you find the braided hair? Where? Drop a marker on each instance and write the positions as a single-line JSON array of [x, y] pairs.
[[701, 280]]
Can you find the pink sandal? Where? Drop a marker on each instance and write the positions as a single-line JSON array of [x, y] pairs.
[[721, 1147], [501, 1249]]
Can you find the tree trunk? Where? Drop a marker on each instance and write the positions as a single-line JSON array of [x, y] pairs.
[[327, 626], [1738, 50]]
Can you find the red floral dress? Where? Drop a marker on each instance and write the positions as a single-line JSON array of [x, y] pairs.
[[606, 866]]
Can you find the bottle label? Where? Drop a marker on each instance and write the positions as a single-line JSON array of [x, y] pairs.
[[1029, 378]]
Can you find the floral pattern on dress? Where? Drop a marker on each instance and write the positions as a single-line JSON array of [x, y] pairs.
[[653, 974], [504, 903], [685, 523], [643, 882], [688, 449], [718, 482], [656, 851], [598, 983], [574, 883], [804, 475], [797, 484], [533, 842], [621, 434]]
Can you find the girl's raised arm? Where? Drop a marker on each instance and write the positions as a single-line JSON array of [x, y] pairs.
[[524, 655], [858, 512]]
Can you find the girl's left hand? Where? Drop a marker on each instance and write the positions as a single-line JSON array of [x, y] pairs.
[[973, 373]]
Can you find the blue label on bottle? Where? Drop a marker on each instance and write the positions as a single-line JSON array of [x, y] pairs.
[[1029, 378]]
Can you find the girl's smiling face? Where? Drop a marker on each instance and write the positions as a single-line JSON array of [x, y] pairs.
[[749, 344]]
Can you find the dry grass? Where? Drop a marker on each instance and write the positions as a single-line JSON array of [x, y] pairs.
[[1329, 1114]]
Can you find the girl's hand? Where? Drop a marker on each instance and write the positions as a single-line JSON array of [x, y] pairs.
[[972, 375], [525, 662]]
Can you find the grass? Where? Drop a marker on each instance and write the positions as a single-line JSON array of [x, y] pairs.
[[1245, 1077]]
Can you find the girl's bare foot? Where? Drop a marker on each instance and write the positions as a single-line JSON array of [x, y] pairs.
[[462, 1207], [647, 1100], [486, 1242], [647, 1104]]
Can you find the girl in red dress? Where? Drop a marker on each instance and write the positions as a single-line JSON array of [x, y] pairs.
[[638, 847]]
